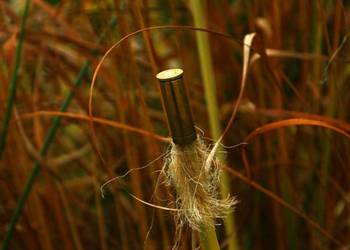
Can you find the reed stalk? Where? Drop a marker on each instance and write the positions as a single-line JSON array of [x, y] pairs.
[[208, 239], [13, 83], [207, 73]]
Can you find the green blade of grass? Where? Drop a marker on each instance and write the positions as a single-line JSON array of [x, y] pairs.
[[13, 83], [36, 166], [213, 112], [44, 149]]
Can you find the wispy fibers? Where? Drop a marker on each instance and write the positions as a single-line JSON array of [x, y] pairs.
[[196, 182]]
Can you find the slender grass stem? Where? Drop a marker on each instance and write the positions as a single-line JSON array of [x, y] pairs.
[[36, 166], [13, 83], [208, 239], [45, 147], [213, 112]]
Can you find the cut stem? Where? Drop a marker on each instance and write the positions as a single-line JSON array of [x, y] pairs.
[[187, 161]]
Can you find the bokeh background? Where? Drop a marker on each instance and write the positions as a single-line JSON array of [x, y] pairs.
[[291, 179]]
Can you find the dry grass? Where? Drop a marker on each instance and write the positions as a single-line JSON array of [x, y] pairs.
[[292, 179]]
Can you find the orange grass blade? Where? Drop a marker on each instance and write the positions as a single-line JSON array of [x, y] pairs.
[[95, 119], [286, 123], [295, 114], [285, 204], [294, 122]]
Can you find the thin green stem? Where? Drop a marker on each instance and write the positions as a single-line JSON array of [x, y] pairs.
[[13, 83], [208, 239], [36, 166], [44, 149], [213, 110]]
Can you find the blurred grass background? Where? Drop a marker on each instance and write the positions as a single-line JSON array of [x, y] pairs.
[[305, 75]]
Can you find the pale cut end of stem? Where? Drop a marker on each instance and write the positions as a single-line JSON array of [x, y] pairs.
[[169, 74]]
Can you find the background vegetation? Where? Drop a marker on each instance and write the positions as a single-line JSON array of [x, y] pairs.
[[292, 179]]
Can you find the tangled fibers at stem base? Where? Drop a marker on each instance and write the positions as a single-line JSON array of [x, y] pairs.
[[195, 179]]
